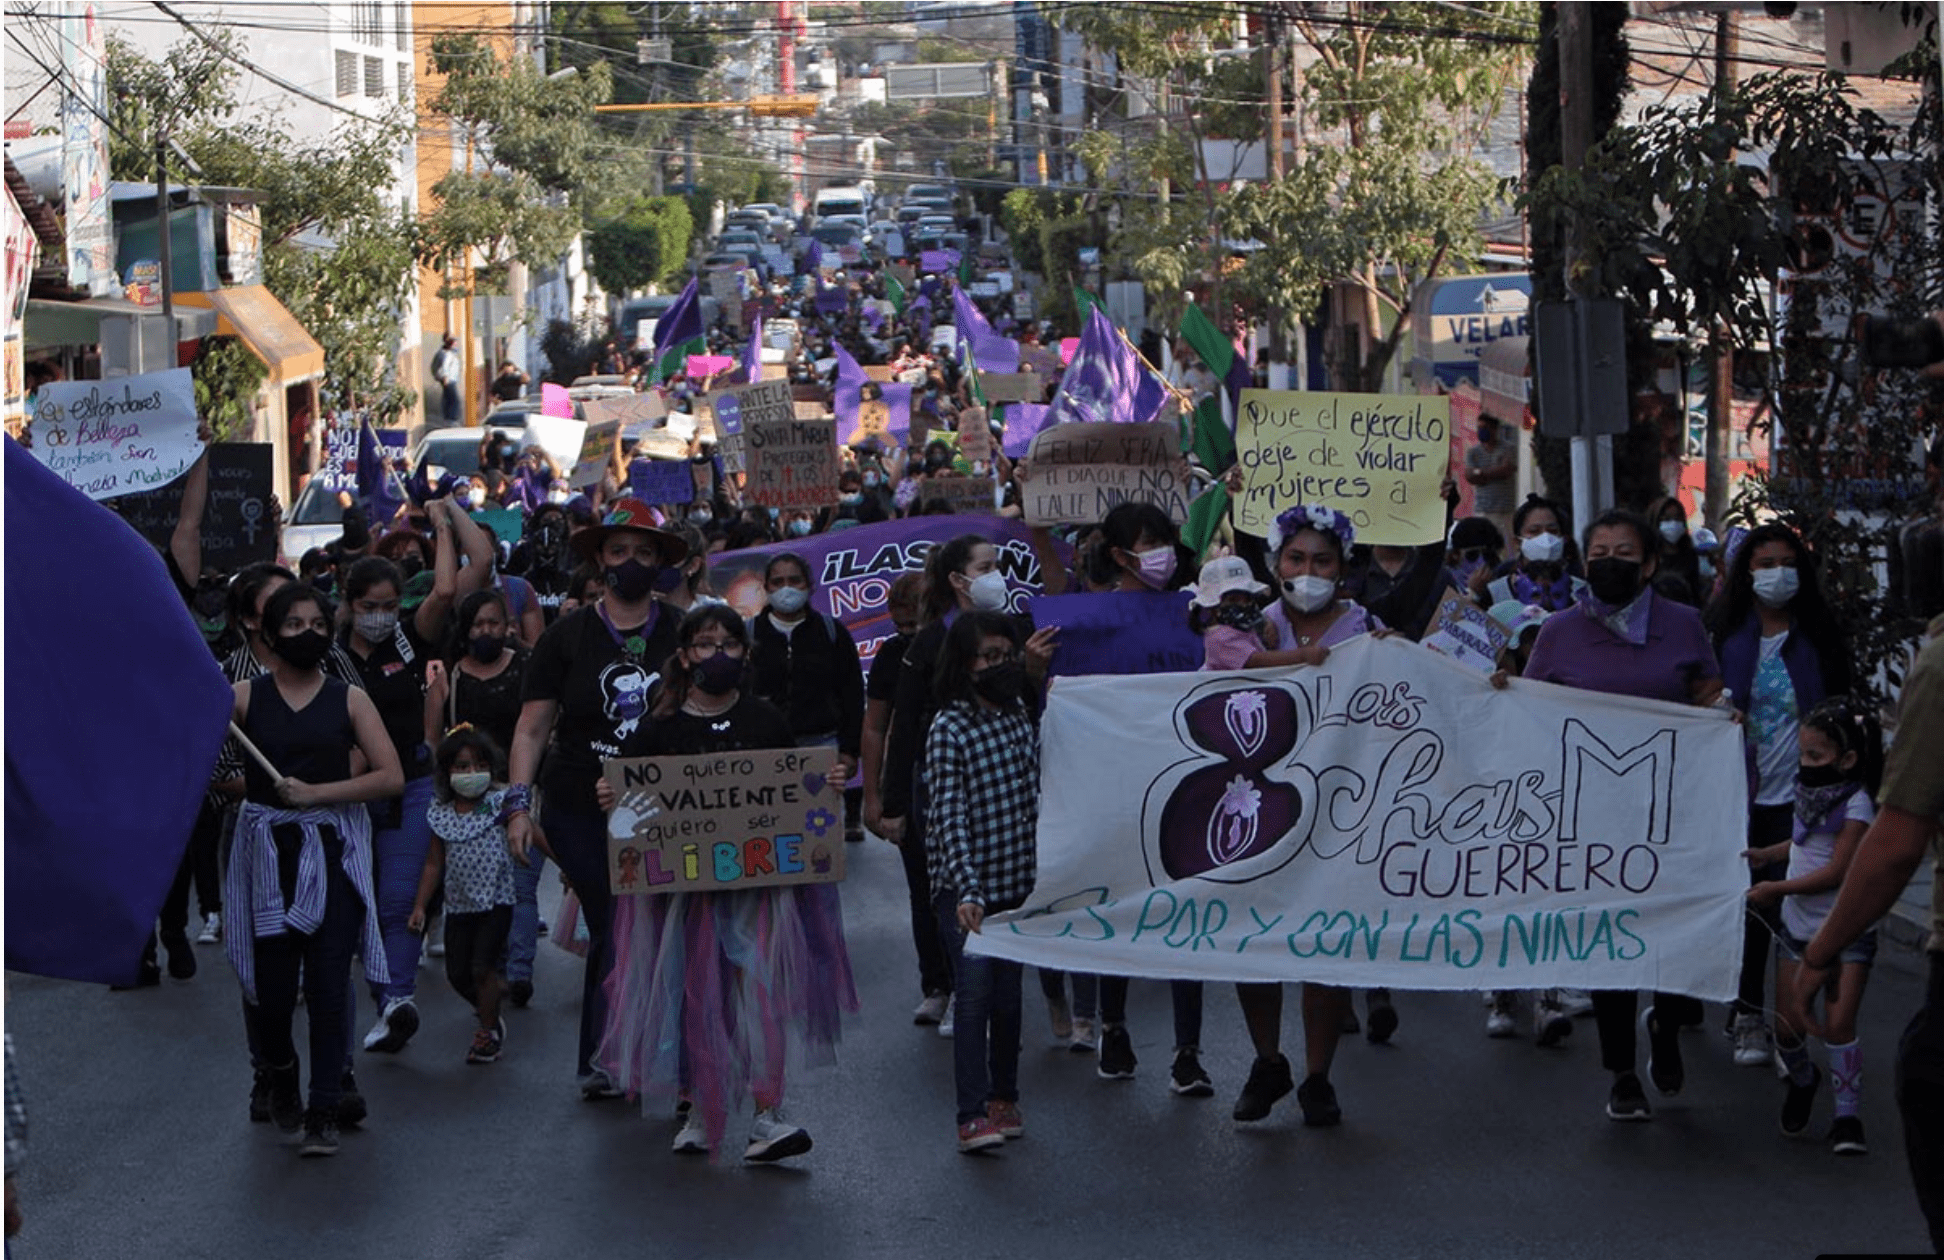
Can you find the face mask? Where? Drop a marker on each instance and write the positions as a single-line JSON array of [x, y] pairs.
[[376, 627], [302, 650], [472, 784], [668, 581], [701, 516], [789, 600], [718, 675], [1827, 775], [1157, 567], [870, 481], [1672, 531], [1001, 684], [988, 592], [1543, 548], [851, 500], [557, 496], [486, 648], [1238, 616], [1615, 582], [1776, 587], [470, 499], [631, 579], [1308, 594], [799, 528]]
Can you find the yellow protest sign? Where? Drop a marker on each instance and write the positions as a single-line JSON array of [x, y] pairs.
[[1378, 458]]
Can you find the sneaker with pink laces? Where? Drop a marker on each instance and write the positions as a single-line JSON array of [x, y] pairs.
[[977, 1134], [1005, 1117]]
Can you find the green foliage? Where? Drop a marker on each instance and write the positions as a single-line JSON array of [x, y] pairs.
[[227, 377], [605, 33], [646, 243], [568, 348], [191, 88]]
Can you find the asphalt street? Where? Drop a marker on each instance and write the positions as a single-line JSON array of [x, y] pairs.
[[1453, 1145]]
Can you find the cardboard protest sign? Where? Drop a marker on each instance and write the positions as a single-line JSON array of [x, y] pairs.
[[725, 285], [1004, 387], [236, 527], [508, 524], [792, 463], [966, 496], [736, 408], [110, 438], [1346, 824], [1466, 633], [339, 469], [880, 372], [1377, 458], [1120, 632], [912, 376], [811, 410], [974, 436], [596, 454], [661, 481], [661, 444], [630, 412], [759, 818], [559, 437], [1076, 473]]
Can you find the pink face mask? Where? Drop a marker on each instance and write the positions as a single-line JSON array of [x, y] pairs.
[[1157, 567]]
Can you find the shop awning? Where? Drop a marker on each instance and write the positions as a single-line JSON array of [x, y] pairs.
[[49, 324], [267, 327], [1503, 384]]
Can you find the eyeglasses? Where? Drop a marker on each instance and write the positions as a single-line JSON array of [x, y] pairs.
[[1475, 553], [704, 651], [998, 656]]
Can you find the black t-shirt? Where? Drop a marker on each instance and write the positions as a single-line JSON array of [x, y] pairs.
[[394, 675], [602, 694], [490, 704], [882, 683], [752, 723]]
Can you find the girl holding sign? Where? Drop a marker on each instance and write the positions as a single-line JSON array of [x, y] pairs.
[[711, 990]]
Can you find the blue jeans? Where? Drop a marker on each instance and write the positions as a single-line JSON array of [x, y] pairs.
[[398, 857], [524, 940], [985, 1033], [580, 845]]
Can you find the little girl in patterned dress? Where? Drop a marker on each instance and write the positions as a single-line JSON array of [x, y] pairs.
[[469, 846]]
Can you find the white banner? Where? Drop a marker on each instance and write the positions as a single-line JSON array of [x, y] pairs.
[[116, 437], [1386, 819]]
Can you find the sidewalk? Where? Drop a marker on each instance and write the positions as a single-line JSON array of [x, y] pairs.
[[1908, 923]]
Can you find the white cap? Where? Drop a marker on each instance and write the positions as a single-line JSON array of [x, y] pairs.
[[1222, 575]]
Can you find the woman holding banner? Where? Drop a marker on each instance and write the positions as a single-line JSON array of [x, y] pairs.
[[1622, 638], [711, 991], [1310, 547]]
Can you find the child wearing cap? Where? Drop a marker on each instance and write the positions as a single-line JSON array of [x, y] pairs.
[[1227, 613]]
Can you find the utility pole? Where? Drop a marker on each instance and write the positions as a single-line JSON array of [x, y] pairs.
[[1592, 456], [1274, 75], [165, 254], [1721, 352]]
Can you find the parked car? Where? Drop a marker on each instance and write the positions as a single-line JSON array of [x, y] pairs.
[[316, 518], [837, 235], [445, 451], [928, 192]]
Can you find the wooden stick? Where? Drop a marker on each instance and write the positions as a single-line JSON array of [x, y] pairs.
[[256, 754], [1181, 397]]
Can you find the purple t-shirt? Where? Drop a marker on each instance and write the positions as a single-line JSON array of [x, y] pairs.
[[1352, 620], [1577, 651]]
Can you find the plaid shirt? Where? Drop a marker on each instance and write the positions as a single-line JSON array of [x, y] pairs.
[[982, 772]]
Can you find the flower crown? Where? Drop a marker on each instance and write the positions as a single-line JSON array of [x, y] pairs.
[[1324, 520]]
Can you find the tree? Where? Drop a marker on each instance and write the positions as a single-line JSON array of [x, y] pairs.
[[334, 251], [644, 241]]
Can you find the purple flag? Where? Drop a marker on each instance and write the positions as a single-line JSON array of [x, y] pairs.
[[938, 261], [1106, 381], [897, 399], [1023, 421], [989, 351], [849, 393], [753, 353], [813, 257]]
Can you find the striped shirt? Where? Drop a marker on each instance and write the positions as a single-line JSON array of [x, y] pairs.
[[253, 900]]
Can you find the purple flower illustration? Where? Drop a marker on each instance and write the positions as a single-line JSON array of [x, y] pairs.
[[819, 821]]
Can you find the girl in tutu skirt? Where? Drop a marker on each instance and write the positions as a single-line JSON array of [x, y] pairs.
[[712, 992]]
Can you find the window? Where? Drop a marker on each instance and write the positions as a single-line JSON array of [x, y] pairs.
[[368, 22], [347, 73], [374, 76], [398, 16]]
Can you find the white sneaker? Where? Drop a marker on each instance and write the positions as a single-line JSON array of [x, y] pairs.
[[1575, 1002], [693, 1138], [772, 1138], [395, 1026], [1085, 1039], [212, 930], [435, 937], [932, 1009], [945, 1020], [1754, 1045], [1499, 1023]]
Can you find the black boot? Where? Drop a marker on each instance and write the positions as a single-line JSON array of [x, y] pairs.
[[286, 1097]]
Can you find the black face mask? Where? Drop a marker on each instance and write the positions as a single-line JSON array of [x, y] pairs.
[[631, 579], [1001, 684], [1238, 617], [1615, 582], [717, 675], [487, 648], [302, 650], [1822, 776]]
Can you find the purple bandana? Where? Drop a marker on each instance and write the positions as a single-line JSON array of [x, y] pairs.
[[1628, 623]]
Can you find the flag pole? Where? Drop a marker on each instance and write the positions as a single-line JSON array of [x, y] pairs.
[[1181, 397], [256, 754]]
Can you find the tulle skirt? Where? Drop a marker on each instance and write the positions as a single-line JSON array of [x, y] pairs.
[[713, 996]]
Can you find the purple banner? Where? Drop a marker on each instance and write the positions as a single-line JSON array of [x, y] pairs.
[[938, 261], [661, 481], [852, 570], [1023, 423], [832, 301], [1120, 632]]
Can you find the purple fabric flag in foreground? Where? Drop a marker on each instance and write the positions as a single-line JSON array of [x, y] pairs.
[[106, 764], [1106, 380]]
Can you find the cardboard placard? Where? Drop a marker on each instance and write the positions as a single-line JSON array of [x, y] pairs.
[[110, 438], [598, 444], [735, 408], [912, 376], [560, 438], [661, 481], [974, 436], [811, 410], [1377, 458], [661, 444], [1120, 632], [236, 517], [792, 463], [1076, 473], [760, 818], [967, 496], [628, 411], [339, 470], [1466, 633], [811, 393], [880, 372], [1005, 387], [725, 285]]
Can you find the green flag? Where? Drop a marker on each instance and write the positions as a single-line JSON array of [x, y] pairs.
[[1200, 332], [1209, 436], [1205, 516], [965, 269], [894, 291], [1085, 302]]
